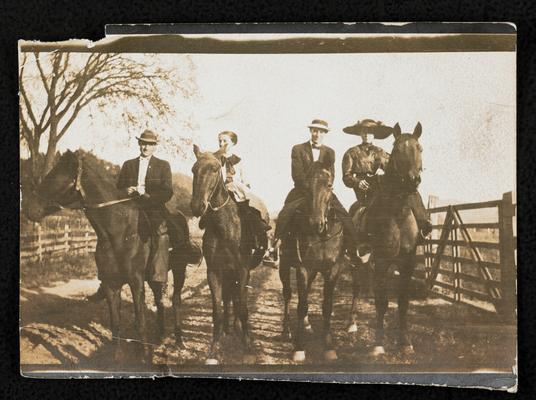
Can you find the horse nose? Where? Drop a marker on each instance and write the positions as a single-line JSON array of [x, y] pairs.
[[197, 208]]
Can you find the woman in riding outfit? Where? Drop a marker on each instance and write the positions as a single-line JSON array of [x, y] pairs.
[[257, 222], [362, 165]]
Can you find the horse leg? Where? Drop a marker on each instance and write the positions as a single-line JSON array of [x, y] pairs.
[[113, 298], [137, 287], [243, 280], [284, 275], [158, 292], [304, 279], [179, 275], [216, 289], [227, 292], [352, 326], [381, 304], [406, 271], [330, 280]]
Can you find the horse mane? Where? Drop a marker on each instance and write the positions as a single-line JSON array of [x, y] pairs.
[[98, 177], [317, 166]]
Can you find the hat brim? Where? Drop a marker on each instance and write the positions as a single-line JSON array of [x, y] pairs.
[[323, 127], [379, 132], [153, 141]]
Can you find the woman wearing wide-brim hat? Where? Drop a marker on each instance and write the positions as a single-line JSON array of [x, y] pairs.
[[362, 165]]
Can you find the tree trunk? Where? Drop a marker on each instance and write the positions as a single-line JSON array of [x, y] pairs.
[[33, 147], [49, 158], [52, 144]]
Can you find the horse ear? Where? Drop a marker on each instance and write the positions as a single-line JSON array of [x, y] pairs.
[[196, 151], [418, 130], [397, 131]]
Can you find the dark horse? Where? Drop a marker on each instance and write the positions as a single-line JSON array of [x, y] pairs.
[[319, 248], [123, 239], [394, 240], [226, 249]]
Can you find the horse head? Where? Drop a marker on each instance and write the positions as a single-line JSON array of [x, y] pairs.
[[207, 179], [56, 190], [405, 162], [319, 183]]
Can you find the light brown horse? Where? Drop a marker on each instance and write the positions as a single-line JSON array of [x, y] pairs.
[[226, 249], [395, 235], [123, 239], [318, 248]]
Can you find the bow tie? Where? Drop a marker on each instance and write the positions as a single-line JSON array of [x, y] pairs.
[[316, 146]]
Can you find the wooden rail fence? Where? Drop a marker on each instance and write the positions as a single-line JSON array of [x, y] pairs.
[[473, 262], [56, 237]]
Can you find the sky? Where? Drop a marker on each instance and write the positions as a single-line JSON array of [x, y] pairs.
[[464, 101]]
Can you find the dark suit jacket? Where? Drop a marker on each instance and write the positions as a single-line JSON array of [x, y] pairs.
[[157, 181], [302, 159]]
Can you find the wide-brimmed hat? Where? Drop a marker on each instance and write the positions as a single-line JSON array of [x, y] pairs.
[[377, 128], [319, 124], [148, 136]]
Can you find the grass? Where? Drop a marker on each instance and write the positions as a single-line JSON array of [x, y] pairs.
[[44, 273]]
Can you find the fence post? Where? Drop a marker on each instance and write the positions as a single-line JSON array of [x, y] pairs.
[[86, 239], [428, 248], [37, 227], [66, 237], [456, 265], [508, 267]]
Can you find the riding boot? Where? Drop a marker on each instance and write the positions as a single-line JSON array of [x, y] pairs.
[[257, 229], [98, 296]]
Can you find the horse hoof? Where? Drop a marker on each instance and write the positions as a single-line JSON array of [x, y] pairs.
[[249, 359], [352, 328], [330, 355], [377, 351], [211, 361], [298, 356], [407, 350]]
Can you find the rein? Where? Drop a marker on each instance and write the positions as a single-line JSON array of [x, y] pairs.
[[77, 184], [327, 238]]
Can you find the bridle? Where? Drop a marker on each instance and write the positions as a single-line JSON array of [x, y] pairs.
[[209, 204], [322, 239], [392, 176], [76, 183]]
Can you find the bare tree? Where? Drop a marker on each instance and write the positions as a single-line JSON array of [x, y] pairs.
[[55, 89]]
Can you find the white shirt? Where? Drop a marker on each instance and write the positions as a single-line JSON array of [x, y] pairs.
[[142, 173], [316, 152]]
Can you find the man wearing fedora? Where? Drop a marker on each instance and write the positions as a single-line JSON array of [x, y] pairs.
[[148, 179], [303, 156], [362, 164]]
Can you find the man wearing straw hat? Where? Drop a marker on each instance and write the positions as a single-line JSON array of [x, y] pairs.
[[148, 179], [303, 156]]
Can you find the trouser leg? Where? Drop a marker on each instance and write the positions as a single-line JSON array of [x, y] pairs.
[[351, 237]]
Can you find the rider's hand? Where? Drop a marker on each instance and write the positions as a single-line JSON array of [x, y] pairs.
[[132, 190], [363, 185]]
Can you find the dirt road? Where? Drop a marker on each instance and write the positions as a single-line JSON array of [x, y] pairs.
[[59, 327]]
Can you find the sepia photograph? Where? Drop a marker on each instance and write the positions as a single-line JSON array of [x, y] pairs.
[[322, 206]]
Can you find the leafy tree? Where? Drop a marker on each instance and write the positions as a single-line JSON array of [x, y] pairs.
[[56, 87]]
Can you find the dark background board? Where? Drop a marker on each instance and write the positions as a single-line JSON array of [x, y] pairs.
[[62, 20]]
